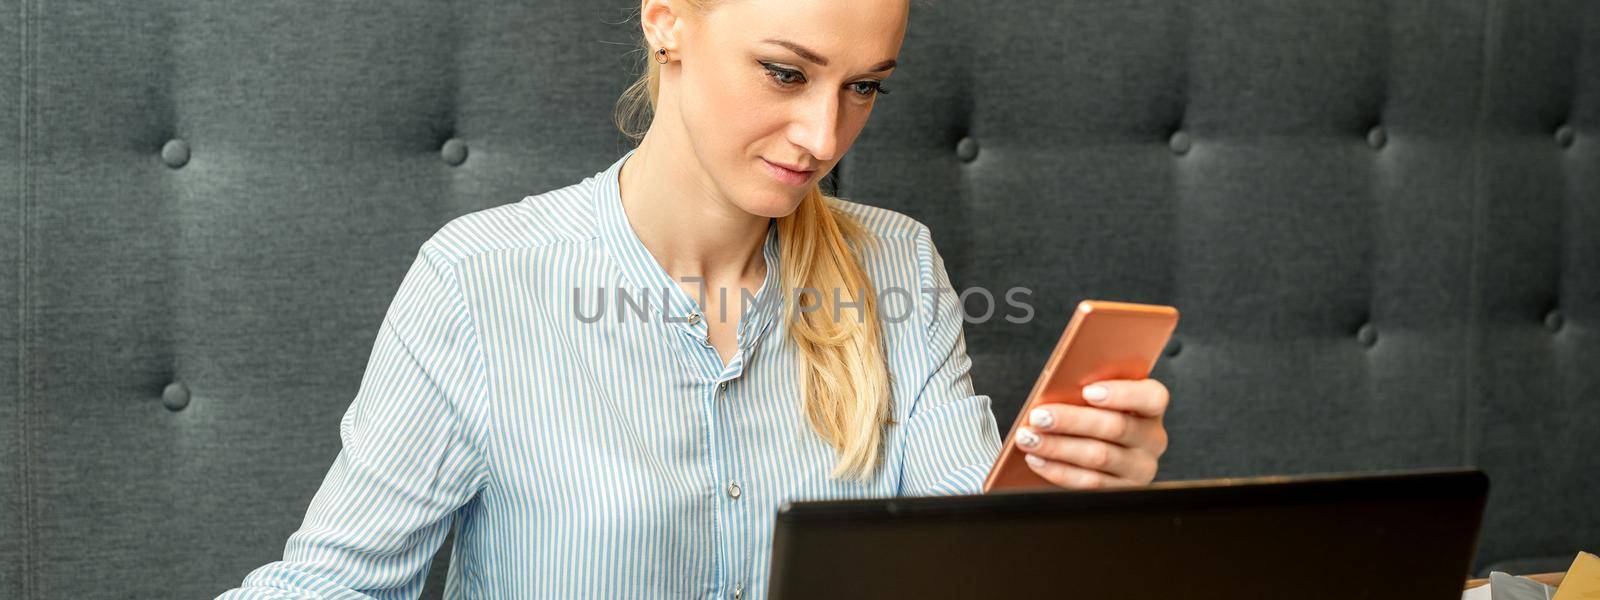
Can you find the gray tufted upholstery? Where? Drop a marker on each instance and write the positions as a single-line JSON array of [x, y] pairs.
[[1381, 221]]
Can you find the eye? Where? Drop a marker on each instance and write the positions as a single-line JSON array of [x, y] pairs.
[[873, 88], [788, 77], [782, 75]]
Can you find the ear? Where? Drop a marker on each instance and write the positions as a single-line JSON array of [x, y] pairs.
[[661, 25]]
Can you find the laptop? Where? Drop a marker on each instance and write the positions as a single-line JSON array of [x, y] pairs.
[[1401, 535]]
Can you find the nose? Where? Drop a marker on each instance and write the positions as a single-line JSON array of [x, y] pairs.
[[816, 127]]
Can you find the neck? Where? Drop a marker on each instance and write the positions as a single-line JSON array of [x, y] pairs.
[[690, 227]]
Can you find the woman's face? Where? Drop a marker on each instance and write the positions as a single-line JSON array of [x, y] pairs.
[[751, 90]]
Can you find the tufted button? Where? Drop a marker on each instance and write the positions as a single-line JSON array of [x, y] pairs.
[[175, 153], [1367, 335], [1173, 346], [733, 490], [1377, 136], [1565, 135], [175, 396], [967, 149], [1553, 320], [1179, 142], [454, 152]]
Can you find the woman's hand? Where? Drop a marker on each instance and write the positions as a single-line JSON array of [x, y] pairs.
[[1114, 442]]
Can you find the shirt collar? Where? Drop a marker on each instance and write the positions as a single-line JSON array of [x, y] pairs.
[[651, 282]]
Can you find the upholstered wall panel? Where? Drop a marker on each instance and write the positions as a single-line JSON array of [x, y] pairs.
[[223, 201], [14, 430], [1381, 220], [1537, 307], [1292, 173]]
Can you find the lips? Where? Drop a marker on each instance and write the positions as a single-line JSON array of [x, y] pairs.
[[787, 174], [794, 168]]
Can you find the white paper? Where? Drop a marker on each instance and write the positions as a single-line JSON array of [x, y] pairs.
[[1503, 586]]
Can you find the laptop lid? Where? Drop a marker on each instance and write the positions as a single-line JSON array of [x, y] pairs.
[[1405, 535]]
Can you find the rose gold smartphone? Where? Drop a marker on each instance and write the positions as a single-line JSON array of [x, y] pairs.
[[1104, 340]]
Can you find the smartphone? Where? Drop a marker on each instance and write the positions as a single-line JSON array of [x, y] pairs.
[[1104, 340]]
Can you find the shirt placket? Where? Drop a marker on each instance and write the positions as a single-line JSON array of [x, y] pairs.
[[728, 488], [725, 487], [681, 312], [731, 502]]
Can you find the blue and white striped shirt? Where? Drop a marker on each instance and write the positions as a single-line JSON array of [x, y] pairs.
[[609, 458]]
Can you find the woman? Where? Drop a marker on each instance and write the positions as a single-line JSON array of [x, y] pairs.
[[583, 442]]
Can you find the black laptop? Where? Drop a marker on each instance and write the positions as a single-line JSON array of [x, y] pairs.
[[1401, 535]]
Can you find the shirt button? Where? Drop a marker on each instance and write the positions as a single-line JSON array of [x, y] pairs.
[[733, 490], [723, 386], [738, 591], [694, 317]]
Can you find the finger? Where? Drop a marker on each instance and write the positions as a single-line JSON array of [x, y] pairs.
[[1072, 476], [1112, 426], [1145, 397], [1087, 453]]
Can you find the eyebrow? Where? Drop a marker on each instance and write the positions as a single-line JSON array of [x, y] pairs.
[[807, 54]]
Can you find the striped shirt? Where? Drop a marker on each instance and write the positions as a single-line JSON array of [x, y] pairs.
[[577, 453]]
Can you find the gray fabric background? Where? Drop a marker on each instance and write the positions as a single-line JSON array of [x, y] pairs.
[[1380, 219]]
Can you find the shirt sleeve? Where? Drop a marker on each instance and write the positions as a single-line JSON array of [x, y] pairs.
[[408, 459], [950, 438]]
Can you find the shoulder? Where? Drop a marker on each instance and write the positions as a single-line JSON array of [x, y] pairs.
[[900, 239], [882, 223], [562, 215], [903, 255]]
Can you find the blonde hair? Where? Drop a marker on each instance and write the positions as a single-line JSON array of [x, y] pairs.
[[845, 381]]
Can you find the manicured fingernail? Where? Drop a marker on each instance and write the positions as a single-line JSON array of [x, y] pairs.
[[1095, 394], [1034, 460], [1027, 438], [1041, 418]]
